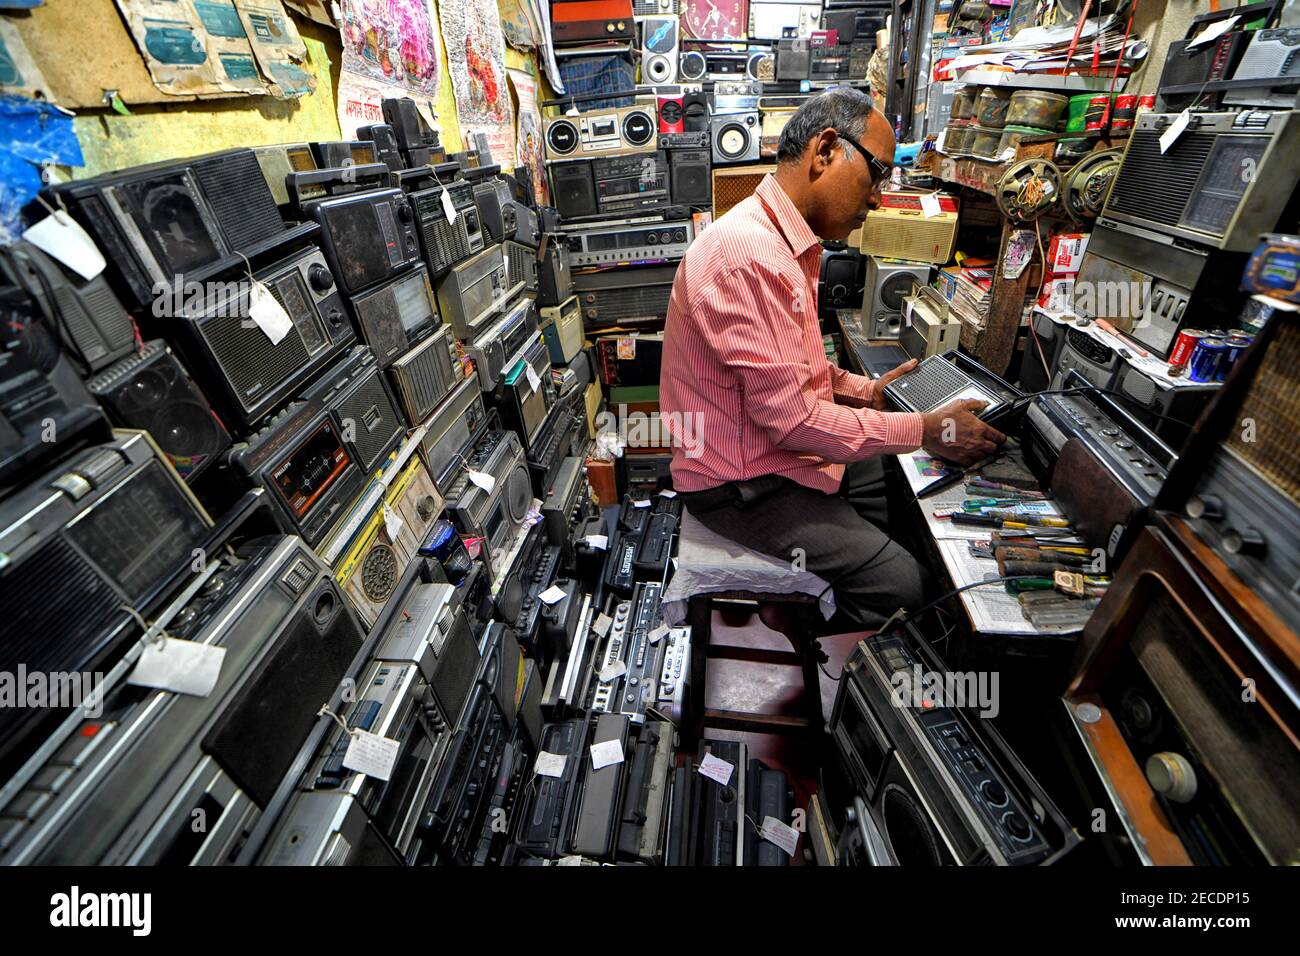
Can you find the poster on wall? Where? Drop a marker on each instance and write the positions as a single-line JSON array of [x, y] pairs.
[[528, 136], [361, 102], [516, 24], [195, 47], [19, 73], [476, 54], [280, 52], [392, 41]]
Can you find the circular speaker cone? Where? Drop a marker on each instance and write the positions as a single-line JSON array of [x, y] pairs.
[[186, 429], [148, 388], [519, 494], [909, 831], [893, 289], [562, 137], [670, 111], [733, 140], [1028, 189], [691, 65], [658, 68], [379, 573], [638, 128], [1084, 190]]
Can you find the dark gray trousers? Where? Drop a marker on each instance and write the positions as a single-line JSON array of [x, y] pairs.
[[843, 538]]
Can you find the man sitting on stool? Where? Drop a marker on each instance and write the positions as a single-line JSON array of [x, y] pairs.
[[774, 423]]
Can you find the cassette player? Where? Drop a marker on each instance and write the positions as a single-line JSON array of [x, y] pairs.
[[628, 244], [628, 184], [499, 347]]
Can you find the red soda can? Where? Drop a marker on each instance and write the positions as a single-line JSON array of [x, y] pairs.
[[1184, 346], [1147, 102]]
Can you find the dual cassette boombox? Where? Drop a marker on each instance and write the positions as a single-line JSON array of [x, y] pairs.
[[491, 516], [313, 458], [607, 133], [630, 243], [501, 345], [475, 291]]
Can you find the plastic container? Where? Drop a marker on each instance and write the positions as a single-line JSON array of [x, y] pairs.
[[1011, 136], [1076, 113], [991, 107], [959, 140], [985, 142], [1035, 108], [963, 103], [1068, 150]]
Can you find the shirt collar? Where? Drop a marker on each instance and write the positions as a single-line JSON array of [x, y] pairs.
[[787, 218]]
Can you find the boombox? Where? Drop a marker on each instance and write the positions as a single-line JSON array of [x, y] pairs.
[[621, 244], [423, 376], [660, 39], [524, 395], [93, 328], [397, 315], [368, 237], [625, 296], [554, 274], [1080, 352], [314, 457], [496, 350], [446, 243], [243, 373], [769, 21], [279, 161], [176, 759], [574, 189], [562, 328], [899, 229], [496, 208], [475, 291], [735, 138], [886, 284], [190, 218], [691, 183], [629, 185], [372, 557], [149, 390], [113, 525], [608, 133], [577, 21], [700, 66], [492, 516], [521, 264], [1169, 412], [452, 431]]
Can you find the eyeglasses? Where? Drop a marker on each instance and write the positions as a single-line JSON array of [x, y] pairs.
[[879, 169]]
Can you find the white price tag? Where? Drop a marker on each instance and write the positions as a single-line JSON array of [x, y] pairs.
[[930, 205], [658, 634], [602, 624], [569, 861], [612, 672], [448, 208], [1175, 130], [183, 667], [1212, 31], [393, 522], [371, 754], [59, 236], [549, 764], [534, 380], [606, 753], [667, 493], [642, 503], [268, 314], [782, 834], [483, 480], [716, 769], [598, 541], [552, 595]]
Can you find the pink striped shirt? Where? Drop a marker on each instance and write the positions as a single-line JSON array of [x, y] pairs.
[[745, 388]]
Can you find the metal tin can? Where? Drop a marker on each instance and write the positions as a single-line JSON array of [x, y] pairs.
[[1147, 102], [1210, 353], [1184, 345], [1236, 345], [1097, 118]]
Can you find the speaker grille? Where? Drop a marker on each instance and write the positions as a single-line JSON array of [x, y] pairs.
[[1155, 185], [444, 244], [251, 364], [425, 375], [575, 191], [457, 666], [376, 424], [522, 267], [624, 304], [731, 187], [1274, 404], [691, 183], [234, 186]]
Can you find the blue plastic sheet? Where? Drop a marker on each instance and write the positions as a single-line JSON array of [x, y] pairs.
[[32, 133]]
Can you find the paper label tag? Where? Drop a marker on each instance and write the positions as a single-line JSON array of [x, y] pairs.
[[569, 860], [658, 634], [598, 541], [643, 503], [1175, 130], [183, 667], [483, 480], [606, 753], [552, 595], [549, 764], [602, 624], [626, 348], [60, 236], [393, 522], [371, 754], [782, 834], [448, 207], [667, 493], [930, 206], [716, 769], [268, 314], [534, 380], [1212, 31], [611, 672]]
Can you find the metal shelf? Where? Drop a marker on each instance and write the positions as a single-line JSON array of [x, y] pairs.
[[1041, 81], [1215, 86]]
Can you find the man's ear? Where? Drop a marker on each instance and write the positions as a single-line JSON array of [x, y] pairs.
[[824, 148]]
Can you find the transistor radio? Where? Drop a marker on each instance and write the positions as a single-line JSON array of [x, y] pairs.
[[368, 237], [443, 242], [562, 327], [899, 229], [474, 291], [397, 315], [452, 431]]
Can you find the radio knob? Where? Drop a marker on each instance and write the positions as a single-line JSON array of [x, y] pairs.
[[321, 279], [1209, 507], [1247, 541], [994, 792], [336, 317], [1172, 775], [609, 28], [405, 213], [1017, 826]]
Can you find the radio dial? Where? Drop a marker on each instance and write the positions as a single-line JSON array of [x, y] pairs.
[[1247, 541], [1209, 507], [404, 213], [321, 279], [427, 507], [1172, 775], [336, 317]]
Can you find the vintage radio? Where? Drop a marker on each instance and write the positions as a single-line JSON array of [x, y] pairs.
[[660, 40], [561, 436], [191, 218], [475, 291], [567, 503], [491, 515], [731, 186], [841, 281], [630, 184], [793, 60], [932, 784], [618, 132], [528, 230], [496, 208], [650, 8], [112, 525], [242, 371], [340, 154], [644, 817], [828, 63], [368, 237], [580, 21], [562, 327], [760, 67], [518, 597], [1196, 189], [1044, 343], [595, 822], [93, 328], [277, 162], [629, 244], [1271, 55], [684, 140], [424, 177], [396, 316], [899, 229], [554, 273], [150, 390], [633, 642], [887, 283], [384, 139], [625, 296], [452, 431], [499, 347], [574, 188], [423, 376], [316, 184], [442, 242], [672, 118], [171, 757], [546, 823], [1170, 412], [700, 66], [409, 126], [769, 134], [1096, 361], [521, 265], [770, 21], [525, 394]]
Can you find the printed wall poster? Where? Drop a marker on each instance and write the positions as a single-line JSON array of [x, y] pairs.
[[516, 25], [476, 53], [195, 47], [281, 54], [392, 42], [528, 135], [361, 99]]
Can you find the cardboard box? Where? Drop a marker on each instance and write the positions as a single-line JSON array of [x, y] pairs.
[[1065, 253]]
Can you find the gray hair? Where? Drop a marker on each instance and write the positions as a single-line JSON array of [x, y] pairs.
[[842, 108]]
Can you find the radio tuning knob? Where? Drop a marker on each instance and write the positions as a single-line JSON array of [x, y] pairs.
[[1209, 507], [1172, 775], [321, 279], [426, 506], [404, 212], [1247, 541]]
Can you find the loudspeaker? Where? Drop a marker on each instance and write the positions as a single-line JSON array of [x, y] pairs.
[[692, 66], [573, 188], [555, 276], [695, 111], [672, 118], [660, 39], [150, 390], [733, 186], [887, 282], [690, 174], [735, 138], [841, 282]]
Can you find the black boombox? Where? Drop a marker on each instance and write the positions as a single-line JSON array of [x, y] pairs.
[[491, 516], [525, 393], [631, 184], [397, 316], [499, 347], [368, 236], [242, 371], [445, 242], [186, 219], [314, 458]]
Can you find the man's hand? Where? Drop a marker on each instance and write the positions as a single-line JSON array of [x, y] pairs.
[[955, 434], [878, 392]]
